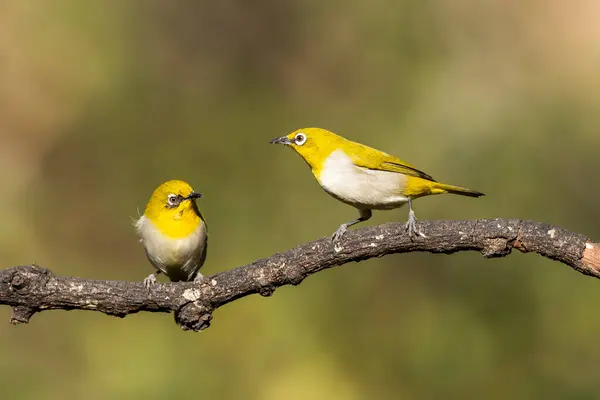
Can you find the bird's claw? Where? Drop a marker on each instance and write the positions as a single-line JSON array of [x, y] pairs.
[[150, 281], [337, 235], [411, 226]]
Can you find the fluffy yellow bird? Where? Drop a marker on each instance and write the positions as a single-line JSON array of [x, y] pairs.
[[363, 177], [173, 232]]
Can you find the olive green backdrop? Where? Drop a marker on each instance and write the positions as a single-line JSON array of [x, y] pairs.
[[101, 101]]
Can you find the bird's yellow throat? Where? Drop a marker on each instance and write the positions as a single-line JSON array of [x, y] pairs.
[[176, 224]]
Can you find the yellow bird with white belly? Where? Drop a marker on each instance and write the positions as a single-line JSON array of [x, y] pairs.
[[363, 177], [173, 232]]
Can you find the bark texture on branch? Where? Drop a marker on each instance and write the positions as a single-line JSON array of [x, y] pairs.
[[31, 289]]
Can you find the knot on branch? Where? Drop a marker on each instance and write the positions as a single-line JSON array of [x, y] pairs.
[[23, 281], [193, 316], [26, 278]]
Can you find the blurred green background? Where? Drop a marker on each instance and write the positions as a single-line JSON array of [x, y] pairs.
[[102, 101]]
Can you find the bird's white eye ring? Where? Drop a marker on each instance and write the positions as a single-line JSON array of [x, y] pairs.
[[173, 200], [300, 139]]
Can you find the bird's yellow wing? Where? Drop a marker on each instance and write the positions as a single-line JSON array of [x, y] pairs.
[[369, 158]]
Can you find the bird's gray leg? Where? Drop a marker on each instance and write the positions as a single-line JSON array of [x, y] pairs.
[[411, 224], [151, 280], [364, 215]]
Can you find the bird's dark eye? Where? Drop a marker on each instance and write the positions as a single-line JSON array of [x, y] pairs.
[[173, 200], [300, 139]]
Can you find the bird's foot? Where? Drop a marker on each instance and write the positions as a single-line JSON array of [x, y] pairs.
[[150, 281], [411, 226], [337, 235]]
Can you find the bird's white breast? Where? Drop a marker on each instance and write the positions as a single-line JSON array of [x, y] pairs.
[[173, 256], [361, 187]]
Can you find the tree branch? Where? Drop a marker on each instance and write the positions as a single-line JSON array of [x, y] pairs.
[[31, 289]]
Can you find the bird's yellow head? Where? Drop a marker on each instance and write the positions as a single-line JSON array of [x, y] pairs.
[[173, 210], [314, 145]]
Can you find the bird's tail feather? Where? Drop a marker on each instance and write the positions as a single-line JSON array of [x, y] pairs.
[[457, 190]]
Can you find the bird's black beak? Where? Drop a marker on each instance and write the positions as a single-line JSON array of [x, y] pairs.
[[281, 140], [193, 196]]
